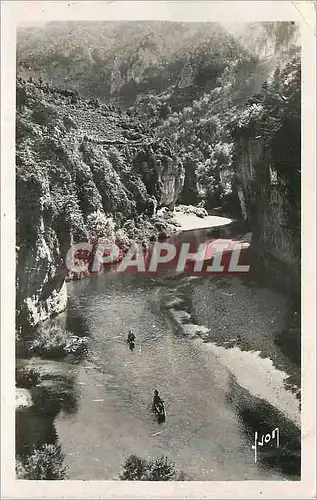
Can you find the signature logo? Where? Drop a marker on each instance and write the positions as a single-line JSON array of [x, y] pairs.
[[275, 434]]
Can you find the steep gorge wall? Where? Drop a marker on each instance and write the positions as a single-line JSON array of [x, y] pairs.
[[273, 217], [267, 174], [271, 204], [73, 187]]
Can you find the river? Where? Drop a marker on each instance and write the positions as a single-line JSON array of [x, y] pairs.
[[216, 393]]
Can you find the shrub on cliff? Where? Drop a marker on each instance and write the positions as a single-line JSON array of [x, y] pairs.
[[122, 240], [45, 463], [99, 225], [160, 469], [54, 342]]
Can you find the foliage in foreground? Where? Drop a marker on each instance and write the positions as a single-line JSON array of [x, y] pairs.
[[139, 469], [45, 463]]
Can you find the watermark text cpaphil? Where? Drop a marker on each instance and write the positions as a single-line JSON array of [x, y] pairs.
[[213, 257]]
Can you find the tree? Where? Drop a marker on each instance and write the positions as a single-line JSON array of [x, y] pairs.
[[134, 469], [45, 463], [160, 469], [101, 225]]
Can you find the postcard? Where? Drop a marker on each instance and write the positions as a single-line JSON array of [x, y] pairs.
[[158, 254]]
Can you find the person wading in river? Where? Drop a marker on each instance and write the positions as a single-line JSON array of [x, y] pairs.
[[131, 337], [156, 399]]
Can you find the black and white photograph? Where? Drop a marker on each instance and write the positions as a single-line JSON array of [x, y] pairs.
[[158, 233]]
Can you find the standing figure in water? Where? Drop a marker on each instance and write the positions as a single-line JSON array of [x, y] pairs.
[[131, 339], [158, 407]]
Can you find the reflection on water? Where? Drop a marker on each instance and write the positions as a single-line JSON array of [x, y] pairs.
[[260, 417], [33, 429], [55, 392], [210, 424]]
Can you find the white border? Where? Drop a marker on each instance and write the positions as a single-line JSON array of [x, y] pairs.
[[224, 11]]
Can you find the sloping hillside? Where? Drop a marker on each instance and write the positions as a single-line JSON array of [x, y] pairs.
[[121, 60], [118, 59]]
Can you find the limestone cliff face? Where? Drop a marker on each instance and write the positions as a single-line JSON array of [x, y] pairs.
[[172, 184], [41, 289], [273, 218], [267, 167], [79, 165], [41, 246]]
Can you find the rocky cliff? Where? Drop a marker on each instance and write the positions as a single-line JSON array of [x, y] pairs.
[[240, 146], [267, 166], [83, 171], [273, 218]]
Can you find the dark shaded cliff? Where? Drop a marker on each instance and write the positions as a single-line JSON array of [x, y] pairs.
[[83, 171], [267, 170]]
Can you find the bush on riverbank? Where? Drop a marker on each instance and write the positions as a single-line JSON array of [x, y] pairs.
[[55, 343], [141, 230], [161, 469], [145, 230], [190, 209], [100, 225], [26, 377], [45, 463]]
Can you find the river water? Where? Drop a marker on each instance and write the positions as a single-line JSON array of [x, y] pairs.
[[212, 409]]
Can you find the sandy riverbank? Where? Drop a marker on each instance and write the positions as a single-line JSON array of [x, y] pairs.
[[189, 222], [238, 323]]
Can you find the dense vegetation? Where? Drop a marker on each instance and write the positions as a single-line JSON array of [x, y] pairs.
[[123, 60], [85, 162], [195, 86], [228, 119], [83, 171]]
